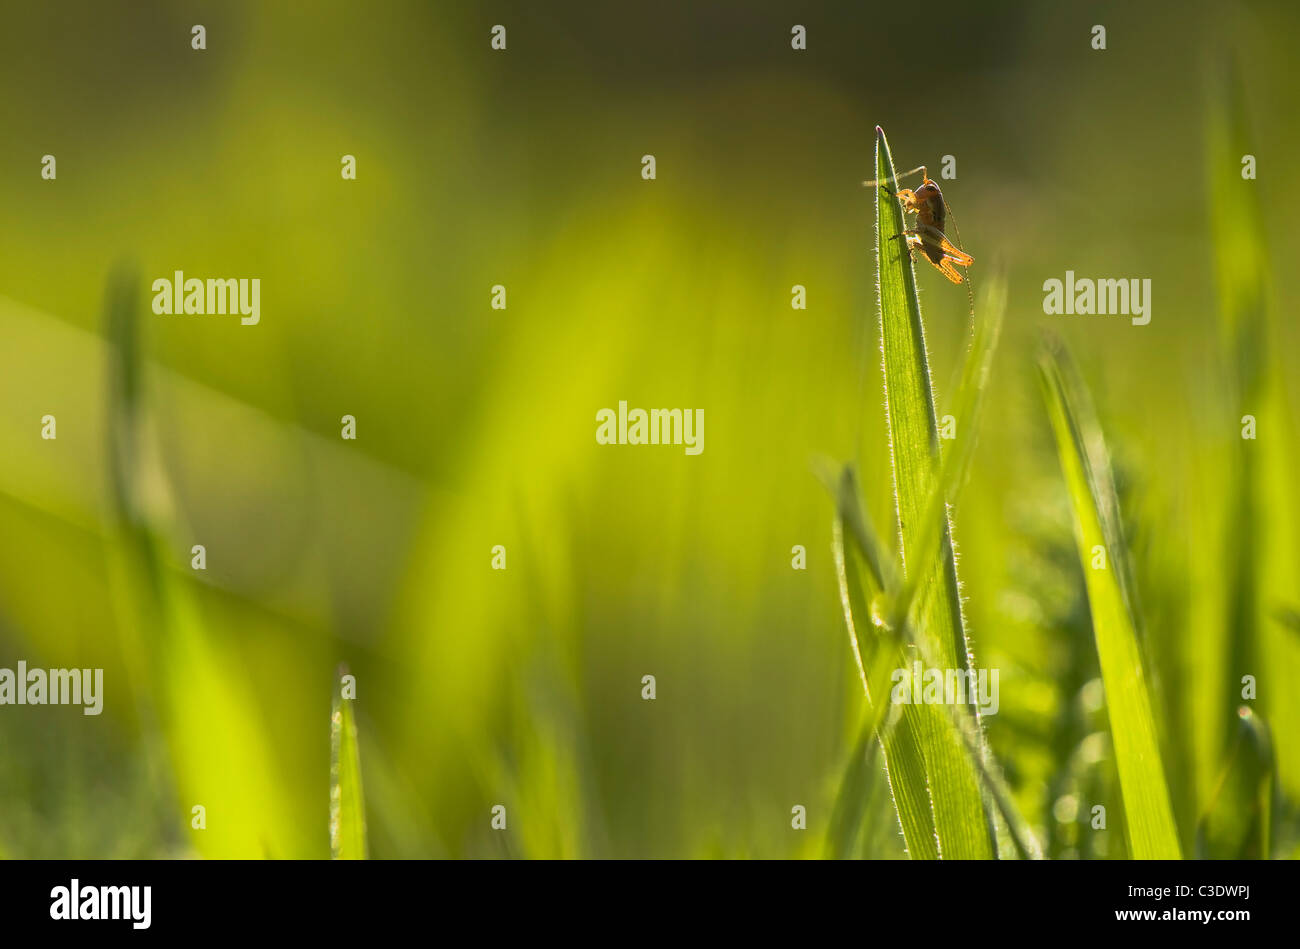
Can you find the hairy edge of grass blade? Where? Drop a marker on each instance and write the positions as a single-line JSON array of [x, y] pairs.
[[347, 802], [962, 823], [1085, 464]]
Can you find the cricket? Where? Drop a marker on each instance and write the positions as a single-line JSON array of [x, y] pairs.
[[932, 213]]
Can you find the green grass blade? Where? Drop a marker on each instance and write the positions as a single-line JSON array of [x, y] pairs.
[[961, 822], [1021, 834], [968, 404], [1237, 222], [877, 653], [967, 730], [1241, 807], [931, 529], [850, 799], [853, 797], [215, 737], [854, 786], [854, 516], [1262, 768], [1259, 558], [1149, 817], [347, 802]]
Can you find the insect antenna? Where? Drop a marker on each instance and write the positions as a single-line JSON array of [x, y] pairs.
[[970, 287], [907, 174]]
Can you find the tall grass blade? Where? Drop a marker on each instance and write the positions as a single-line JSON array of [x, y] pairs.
[[968, 403], [1086, 465], [1258, 553], [961, 823]]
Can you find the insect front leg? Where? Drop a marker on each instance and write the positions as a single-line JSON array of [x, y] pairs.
[[911, 239]]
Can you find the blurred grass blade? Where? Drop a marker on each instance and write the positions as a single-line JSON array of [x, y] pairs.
[[1242, 832], [877, 654], [1258, 556], [853, 798], [961, 823], [347, 802], [1086, 466], [1238, 226], [848, 503], [215, 739], [1017, 828], [1263, 770]]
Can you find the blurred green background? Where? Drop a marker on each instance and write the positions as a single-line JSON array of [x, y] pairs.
[[476, 426]]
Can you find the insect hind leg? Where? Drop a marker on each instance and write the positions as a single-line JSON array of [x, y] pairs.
[[949, 271]]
